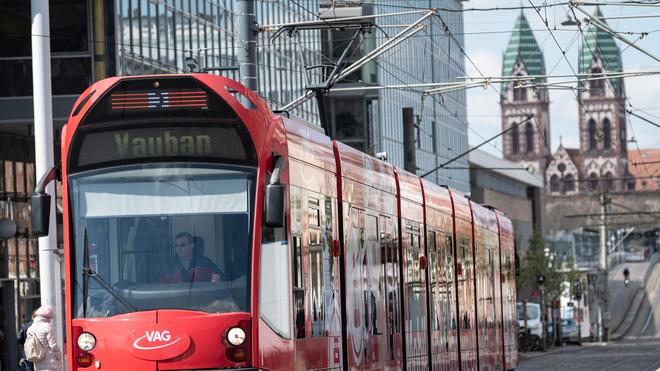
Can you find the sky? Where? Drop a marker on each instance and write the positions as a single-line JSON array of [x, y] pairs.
[[486, 51]]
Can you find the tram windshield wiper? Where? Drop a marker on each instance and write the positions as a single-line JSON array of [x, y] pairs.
[[89, 272]]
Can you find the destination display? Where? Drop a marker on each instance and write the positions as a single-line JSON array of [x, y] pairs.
[[171, 142]]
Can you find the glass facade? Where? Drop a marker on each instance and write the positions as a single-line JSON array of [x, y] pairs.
[[155, 36], [372, 121], [71, 54]]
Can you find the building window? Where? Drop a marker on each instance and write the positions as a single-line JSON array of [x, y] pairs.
[[593, 182], [607, 134], [554, 183], [568, 184], [596, 87], [592, 135], [529, 137], [608, 183], [519, 91], [561, 167], [515, 140], [349, 125]]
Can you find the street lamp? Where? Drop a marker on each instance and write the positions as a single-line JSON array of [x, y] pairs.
[[540, 279], [570, 21]]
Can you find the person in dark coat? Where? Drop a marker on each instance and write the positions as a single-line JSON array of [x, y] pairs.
[[190, 265]]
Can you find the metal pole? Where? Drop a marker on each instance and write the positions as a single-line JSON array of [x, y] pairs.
[[579, 318], [604, 266], [409, 160], [543, 313], [247, 52], [44, 155]]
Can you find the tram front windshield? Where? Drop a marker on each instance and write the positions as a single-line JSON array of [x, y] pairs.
[[161, 236]]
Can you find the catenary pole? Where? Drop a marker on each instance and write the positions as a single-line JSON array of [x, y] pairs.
[[247, 52], [605, 316], [49, 262]]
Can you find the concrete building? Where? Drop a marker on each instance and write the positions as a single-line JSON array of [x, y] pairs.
[[371, 120], [510, 188]]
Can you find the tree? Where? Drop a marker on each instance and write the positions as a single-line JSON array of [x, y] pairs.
[[539, 260], [571, 275]]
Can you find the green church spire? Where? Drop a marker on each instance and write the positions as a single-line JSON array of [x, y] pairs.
[[602, 44], [522, 45]]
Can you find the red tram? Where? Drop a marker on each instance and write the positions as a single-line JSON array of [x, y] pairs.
[[204, 232]]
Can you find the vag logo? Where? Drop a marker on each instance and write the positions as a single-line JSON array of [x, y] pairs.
[[161, 339], [155, 343], [157, 335]]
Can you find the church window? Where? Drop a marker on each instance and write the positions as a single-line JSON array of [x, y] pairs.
[[608, 183], [568, 184], [529, 137], [554, 183], [515, 140], [607, 134], [596, 87], [592, 135], [593, 182], [519, 93], [561, 167]]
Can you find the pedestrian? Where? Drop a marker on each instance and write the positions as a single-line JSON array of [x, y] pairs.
[[22, 335], [44, 330]]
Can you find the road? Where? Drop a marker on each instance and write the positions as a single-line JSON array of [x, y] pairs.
[[628, 355]]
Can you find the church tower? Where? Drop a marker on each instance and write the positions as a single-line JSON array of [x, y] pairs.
[[603, 135], [528, 143]]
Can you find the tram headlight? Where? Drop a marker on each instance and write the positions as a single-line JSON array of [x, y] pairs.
[[236, 336], [86, 341]]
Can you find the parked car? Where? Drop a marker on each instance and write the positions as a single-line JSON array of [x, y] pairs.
[[569, 331], [534, 328]]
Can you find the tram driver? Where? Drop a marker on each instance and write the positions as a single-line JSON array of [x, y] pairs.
[[190, 264]]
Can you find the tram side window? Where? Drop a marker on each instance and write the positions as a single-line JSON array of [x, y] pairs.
[[449, 280], [316, 250], [322, 296], [435, 268], [374, 292], [491, 285], [388, 242], [465, 261], [295, 196], [298, 290], [274, 300], [414, 280]]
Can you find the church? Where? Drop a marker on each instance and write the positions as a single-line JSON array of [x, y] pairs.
[[603, 162]]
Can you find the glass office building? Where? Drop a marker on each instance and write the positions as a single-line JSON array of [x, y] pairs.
[[372, 120], [154, 36]]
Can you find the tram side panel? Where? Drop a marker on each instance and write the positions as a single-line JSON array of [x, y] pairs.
[[442, 295], [496, 278], [465, 282], [315, 274], [374, 321], [508, 290], [485, 245], [414, 271]]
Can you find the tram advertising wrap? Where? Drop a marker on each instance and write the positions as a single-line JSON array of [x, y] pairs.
[[204, 232]]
